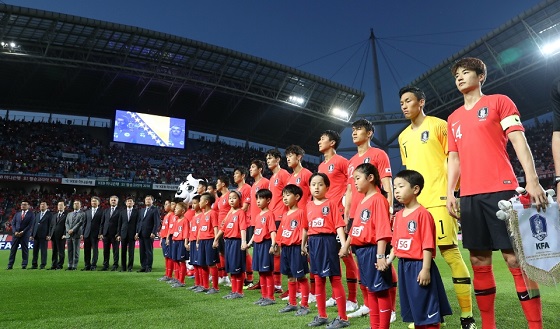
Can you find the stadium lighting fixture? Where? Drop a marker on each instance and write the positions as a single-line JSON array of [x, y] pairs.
[[551, 48], [341, 114], [296, 100]]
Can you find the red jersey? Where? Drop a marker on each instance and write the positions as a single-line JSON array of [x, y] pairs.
[[264, 225], [337, 171], [255, 210], [301, 180], [371, 221], [193, 226], [290, 228], [246, 198], [376, 157], [322, 218], [189, 215], [276, 185], [163, 231], [181, 225], [208, 221], [223, 206], [171, 225], [479, 135], [233, 224], [413, 234]]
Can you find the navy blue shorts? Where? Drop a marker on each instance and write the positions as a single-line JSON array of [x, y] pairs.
[[262, 260], [323, 252], [206, 255], [482, 230], [292, 263], [370, 277], [178, 250], [193, 259], [165, 248], [235, 257], [422, 305]]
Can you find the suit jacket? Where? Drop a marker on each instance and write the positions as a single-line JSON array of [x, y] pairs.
[[148, 224], [111, 225], [42, 226], [58, 226], [75, 223], [128, 227], [92, 223], [24, 224]]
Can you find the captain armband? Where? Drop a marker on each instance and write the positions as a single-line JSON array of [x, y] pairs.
[[510, 121]]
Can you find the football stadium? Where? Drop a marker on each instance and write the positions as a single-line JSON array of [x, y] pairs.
[[92, 109]]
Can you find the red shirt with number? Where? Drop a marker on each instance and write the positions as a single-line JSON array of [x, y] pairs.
[[376, 157], [208, 221], [246, 199], [276, 185], [188, 217], [193, 226], [163, 231], [180, 226], [255, 210], [223, 206], [264, 225], [371, 221], [301, 180], [289, 231], [233, 224], [322, 218], [414, 233], [479, 135]]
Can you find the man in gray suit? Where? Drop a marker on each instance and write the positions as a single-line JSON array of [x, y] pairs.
[[74, 222], [41, 235]]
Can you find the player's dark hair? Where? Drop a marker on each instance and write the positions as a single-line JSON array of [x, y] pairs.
[[238, 196], [369, 169], [324, 176], [212, 185], [241, 170], [294, 149], [293, 189], [208, 196], [203, 183], [274, 153], [224, 179], [419, 93], [149, 196], [182, 205], [196, 197], [470, 63], [363, 123], [128, 198], [258, 163], [333, 136], [264, 193], [413, 177]]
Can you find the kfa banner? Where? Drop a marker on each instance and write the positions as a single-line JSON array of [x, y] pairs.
[[78, 181], [536, 236], [165, 187]]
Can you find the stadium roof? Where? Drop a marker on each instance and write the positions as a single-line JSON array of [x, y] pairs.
[[59, 63], [516, 67]]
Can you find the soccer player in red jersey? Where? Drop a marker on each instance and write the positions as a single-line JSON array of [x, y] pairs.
[[190, 241], [167, 207], [260, 182], [293, 263], [555, 97], [207, 255], [222, 207], [264, 238], [369, 235], [422, 294], [176, 242], [322, 226], [362, 132], [278, 180], [300, 175], [478, 133], [239, 175], [233, 229], [336, 168]]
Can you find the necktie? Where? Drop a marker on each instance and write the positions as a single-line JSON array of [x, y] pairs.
[[145, 212], [22, 214], [129, 211], [112, 209], [93, 212], [42, 214]]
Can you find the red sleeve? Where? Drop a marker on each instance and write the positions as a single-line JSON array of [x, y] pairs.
[[428, 229], [383, 164], [506, 108], [380, 209], [214, 219], [270, 222], [451, 145], [338, 220], [242, 220], [305, 221]]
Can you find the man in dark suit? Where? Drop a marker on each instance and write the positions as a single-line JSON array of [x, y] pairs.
[[129, 219], [22, 227], [146, 229], [110, 229], [41, 235], [74, 222], [58, 237], [91, 234]]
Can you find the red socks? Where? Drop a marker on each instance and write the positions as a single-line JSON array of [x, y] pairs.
[[339, 296], [292, 291], [531, 305], [380, 309], [304, 287], [249, 266], [485, 291], [277, 274], [205, 273], [182, 271], [320, 294], [214, 273], [168, 267]]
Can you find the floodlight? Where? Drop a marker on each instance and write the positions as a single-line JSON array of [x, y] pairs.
[[340, 113], [551, 48], [296, 100]]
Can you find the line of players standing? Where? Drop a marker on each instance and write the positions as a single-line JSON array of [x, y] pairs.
[[114, 226]]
